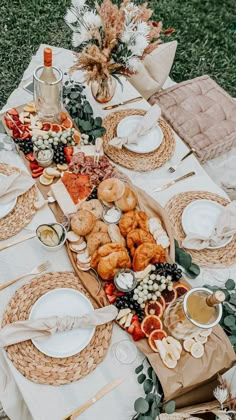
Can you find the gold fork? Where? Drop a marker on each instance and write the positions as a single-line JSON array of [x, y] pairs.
[[174, 167], [37, 270]]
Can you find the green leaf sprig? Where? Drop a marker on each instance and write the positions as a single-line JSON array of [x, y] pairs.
[[81, 111], [228, 320], [151, 404], [184, 259]]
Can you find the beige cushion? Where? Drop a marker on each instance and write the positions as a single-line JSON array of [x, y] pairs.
[[154, 69], [203, 115]]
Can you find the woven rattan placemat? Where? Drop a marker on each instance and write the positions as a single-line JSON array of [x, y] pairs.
[[35, 365], [204, 257], [136, 161], [23, 211]]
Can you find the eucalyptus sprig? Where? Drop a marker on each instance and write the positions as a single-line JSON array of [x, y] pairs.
[[81, 111], [228, 320], [151, 405], [184, 259]]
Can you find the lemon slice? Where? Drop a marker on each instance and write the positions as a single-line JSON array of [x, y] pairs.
[[188, 343], [45, 181], [200, 339], [206, 333], [197, 350]]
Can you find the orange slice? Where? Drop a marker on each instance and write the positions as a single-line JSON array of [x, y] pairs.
[[151, 323], [181, 289], [64, 116], [67, 123], [76, 137], [56, 127], [153, 308], [46, 126], [156, 335]]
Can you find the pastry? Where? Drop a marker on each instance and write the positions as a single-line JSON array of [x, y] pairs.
[[99, 227], [142, 220], [109, 258], [94, 206], [128, 222], [115, 235], [95, 240], [83, 222], [147, 253], [137, 237], [111, 189], [128, 201]]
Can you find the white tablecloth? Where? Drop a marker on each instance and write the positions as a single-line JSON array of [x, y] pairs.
[[24, 400]]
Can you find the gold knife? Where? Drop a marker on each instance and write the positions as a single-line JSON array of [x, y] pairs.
[[107, 388], [129, 101], [174, 181], [17, 241]]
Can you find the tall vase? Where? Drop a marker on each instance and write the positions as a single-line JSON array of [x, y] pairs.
[[103, 90]]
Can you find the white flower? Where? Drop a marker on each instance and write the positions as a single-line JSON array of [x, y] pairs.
[[220, 394], [143, 28], [92, 19], [133, 64], [126, 35], [79, 4], [70, 17], [79, 37], [141, 42]]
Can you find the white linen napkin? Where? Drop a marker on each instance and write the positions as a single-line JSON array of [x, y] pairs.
[[146, 124], [42, 328], [225, 227], [14, 185]]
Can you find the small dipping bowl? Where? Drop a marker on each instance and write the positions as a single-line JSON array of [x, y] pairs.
[[121, 274], [62, 239], [111, 215], [44, 157]]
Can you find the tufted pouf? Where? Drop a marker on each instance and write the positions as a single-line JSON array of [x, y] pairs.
[[202, 114]]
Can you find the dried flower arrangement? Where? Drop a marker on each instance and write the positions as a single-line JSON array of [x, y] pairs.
[[111, 40]]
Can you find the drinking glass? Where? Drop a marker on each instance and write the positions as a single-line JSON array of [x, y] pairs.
[[125, 351], [48, 95]]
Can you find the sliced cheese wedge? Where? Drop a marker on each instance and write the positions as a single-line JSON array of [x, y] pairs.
[[128, 320], [122, 321], [122, 313]]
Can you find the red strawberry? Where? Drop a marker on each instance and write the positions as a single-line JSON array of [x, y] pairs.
[[120, 294], [68, 150], [112, 298], [135, 318], [13, 111], [34, 165], [109, 289], [30, 157], [131, 329], [138, 334]]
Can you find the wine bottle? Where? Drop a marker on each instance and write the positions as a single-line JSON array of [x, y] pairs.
[[47, 74], [48, 89], [202, 308]]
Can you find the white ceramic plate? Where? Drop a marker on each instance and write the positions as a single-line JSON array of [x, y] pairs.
[[200, 217], [5, 209], [147, 143], [61, 302]]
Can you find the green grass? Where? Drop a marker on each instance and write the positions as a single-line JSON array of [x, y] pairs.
[[205, 31]]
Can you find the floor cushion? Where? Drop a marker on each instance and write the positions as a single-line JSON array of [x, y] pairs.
[[202, 114]]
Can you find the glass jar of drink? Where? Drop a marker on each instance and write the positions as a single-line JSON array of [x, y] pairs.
[[197, 310]]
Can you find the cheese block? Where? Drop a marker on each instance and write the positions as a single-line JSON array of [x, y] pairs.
[[63, 198], [123, 312]]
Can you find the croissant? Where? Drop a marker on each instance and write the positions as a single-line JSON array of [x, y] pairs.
[[109, 258], [147, 253], [137, 237]]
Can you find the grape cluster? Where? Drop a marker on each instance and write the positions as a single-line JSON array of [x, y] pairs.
[[166, 269], [25, 146], [59, 155], [51, 138], [127, 301], [93, 195]]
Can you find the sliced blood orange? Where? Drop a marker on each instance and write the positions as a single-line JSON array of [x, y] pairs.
[[67, 123], [181, 289], [56, 128], [156, 335], [154, 308], [46, 126], [162, 301], [169, 296], [64, 116], [76, 137], [151, 323]]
